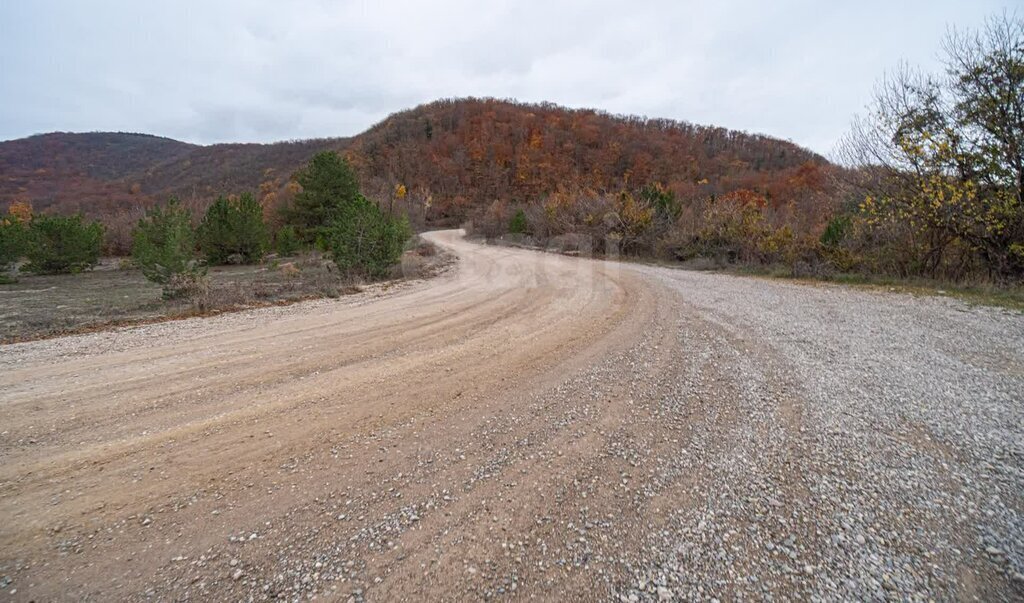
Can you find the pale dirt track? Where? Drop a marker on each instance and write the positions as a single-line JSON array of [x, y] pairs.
[[526, 426]]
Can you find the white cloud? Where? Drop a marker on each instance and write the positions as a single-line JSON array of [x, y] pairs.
[[215, 71]]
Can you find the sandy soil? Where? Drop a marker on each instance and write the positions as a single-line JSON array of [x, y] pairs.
[[525, 426]]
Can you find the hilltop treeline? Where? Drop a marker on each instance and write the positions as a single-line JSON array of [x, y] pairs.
[[465, 154]]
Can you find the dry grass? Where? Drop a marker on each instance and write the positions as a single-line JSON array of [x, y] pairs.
[[45, 306], [423, 260]]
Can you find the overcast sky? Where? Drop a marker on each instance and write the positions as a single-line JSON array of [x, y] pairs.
[[260, 71]]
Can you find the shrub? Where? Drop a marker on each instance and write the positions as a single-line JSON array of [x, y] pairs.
[[366, 242], [233, 228], [631, 219], [164, 249], [287, 241], [117, 230], [667, 208], [518, 223], [733, 228], [491, 222], [835, 231], [190, 285], [13, 244], [63, 244]]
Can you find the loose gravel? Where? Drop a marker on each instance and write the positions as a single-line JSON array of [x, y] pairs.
[[528, 427]]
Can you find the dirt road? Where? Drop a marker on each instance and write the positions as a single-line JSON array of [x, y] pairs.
[[528, 426]]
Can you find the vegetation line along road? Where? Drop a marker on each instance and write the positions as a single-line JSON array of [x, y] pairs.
[[576, 425]]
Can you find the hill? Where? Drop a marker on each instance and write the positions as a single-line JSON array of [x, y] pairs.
[[94, 170], [454, 156], [465, 153]]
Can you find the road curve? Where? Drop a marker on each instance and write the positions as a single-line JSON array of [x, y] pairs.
[[526, 426]]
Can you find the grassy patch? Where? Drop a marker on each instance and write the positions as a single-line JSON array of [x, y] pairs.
[[39, 306], [981, 294]]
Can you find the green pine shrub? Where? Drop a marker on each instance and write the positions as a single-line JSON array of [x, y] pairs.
[[366, 242], [164, 249], [233, 231], [62, 244], [287, 240]]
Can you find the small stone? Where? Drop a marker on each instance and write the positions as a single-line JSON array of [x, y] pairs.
[[237, 574]]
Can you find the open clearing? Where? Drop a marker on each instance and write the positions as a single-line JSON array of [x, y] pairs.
[[525, 426], [46, 305]]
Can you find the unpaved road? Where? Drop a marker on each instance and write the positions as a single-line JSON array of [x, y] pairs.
[[528, 426]]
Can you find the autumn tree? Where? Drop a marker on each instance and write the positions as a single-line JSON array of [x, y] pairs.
[[270, 199], [13, 240], [20, 211], [631, 219], [941, 156], [399, 195]]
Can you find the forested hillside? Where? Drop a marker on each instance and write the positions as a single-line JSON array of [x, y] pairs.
[[94, 171], [469, 153], [453, 155]]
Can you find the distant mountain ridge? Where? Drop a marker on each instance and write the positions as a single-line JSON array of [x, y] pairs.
[[459, 153]]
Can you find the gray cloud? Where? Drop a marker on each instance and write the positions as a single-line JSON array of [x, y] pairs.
[[224, 71]]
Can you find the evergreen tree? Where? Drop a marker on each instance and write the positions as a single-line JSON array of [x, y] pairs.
[[233, 228], [365, 241], [518, 224], [215, 236], [61, 244], [164, 248], [286, 241], [328, 186], [250, 230]]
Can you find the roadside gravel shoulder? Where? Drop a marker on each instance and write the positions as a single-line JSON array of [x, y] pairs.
[[912, 423]]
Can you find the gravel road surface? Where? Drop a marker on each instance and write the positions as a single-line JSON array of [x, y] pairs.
[[526, 426]]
